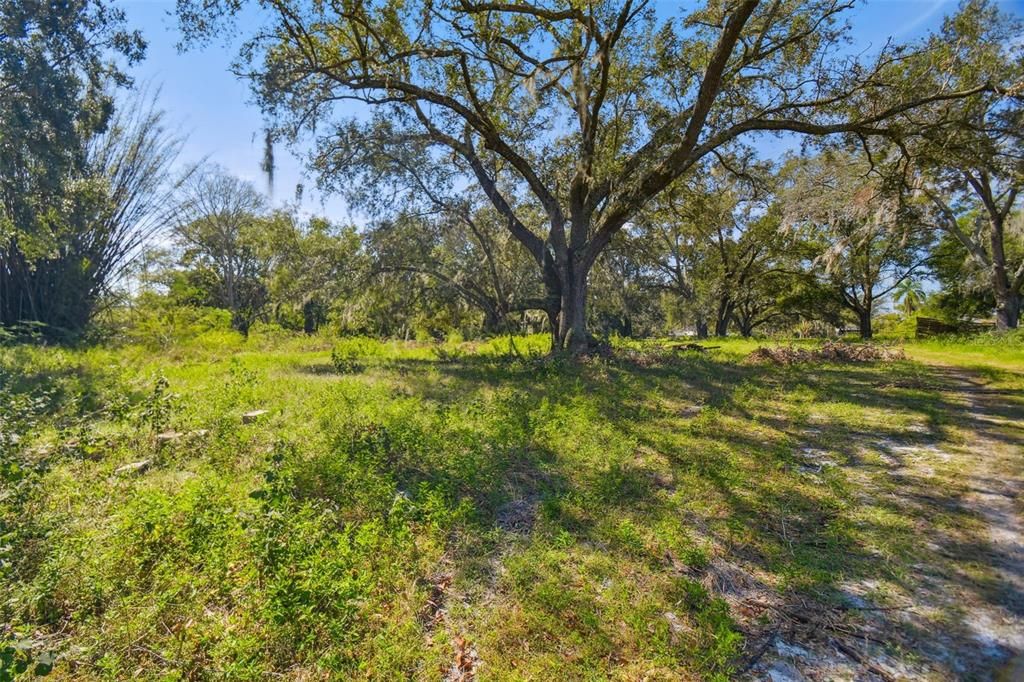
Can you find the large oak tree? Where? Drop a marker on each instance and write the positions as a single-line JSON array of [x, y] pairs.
[[587, 110]]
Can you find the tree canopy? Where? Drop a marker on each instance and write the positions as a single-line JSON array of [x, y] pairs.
[[586, 112]]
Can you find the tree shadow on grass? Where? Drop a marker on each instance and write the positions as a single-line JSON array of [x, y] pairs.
[[779, 516], [955, 648], [72, 388]]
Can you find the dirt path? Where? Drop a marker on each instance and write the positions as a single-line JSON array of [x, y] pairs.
[[995, 494], [960, 612]]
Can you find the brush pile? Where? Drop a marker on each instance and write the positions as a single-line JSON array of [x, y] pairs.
[[830, 351]]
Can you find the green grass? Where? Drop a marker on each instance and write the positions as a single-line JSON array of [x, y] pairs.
[[398, 502], [986, 352]]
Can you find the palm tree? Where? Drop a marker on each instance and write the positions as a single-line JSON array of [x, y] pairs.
[[909, 295]]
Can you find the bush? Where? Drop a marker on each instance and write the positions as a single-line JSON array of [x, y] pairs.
[[350, 354], [895, 326], [533, 345], [157, 324]]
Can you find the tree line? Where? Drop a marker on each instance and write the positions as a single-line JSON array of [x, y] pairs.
[[580, 169]]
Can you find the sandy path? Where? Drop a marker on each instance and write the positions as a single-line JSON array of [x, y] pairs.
[[964, 617], [995, 494]]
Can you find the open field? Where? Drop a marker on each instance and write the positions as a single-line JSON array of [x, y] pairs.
[[405, 511], [359, 340]]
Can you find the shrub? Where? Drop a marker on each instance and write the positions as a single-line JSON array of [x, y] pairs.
[[157, 324], [346, 361]]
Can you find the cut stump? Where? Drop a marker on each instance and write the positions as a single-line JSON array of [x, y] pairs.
[[250, 417]]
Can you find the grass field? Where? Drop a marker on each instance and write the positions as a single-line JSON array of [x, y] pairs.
[[405, 511]]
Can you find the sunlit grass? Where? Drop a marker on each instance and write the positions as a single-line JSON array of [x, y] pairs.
[[567, 511]]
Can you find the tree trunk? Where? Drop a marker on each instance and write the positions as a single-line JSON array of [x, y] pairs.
[[1007, 299], [552, 300], [724, 316], [573, 318], [311, 316], [1007, 295], [566, 287], [702, 329], [1007, 309], [722, 322], [492, 320], [240, 323], [864, 317]]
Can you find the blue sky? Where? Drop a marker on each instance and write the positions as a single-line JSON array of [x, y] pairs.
[[214, 109]]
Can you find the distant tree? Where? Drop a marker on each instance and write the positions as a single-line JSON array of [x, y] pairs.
[[318, 265], [223, 227], [673, 242], [461, 252], [670, 249], [967, 156], [809, 301], [908, 295], [588, 111], [868, 235], [429, 228], [622, 301], [752, 271], [776, 298], [716, 246]]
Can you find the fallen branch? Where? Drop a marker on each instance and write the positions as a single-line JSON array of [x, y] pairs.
[[760, 652], [830, 351], [679, 347], [861, 659]]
